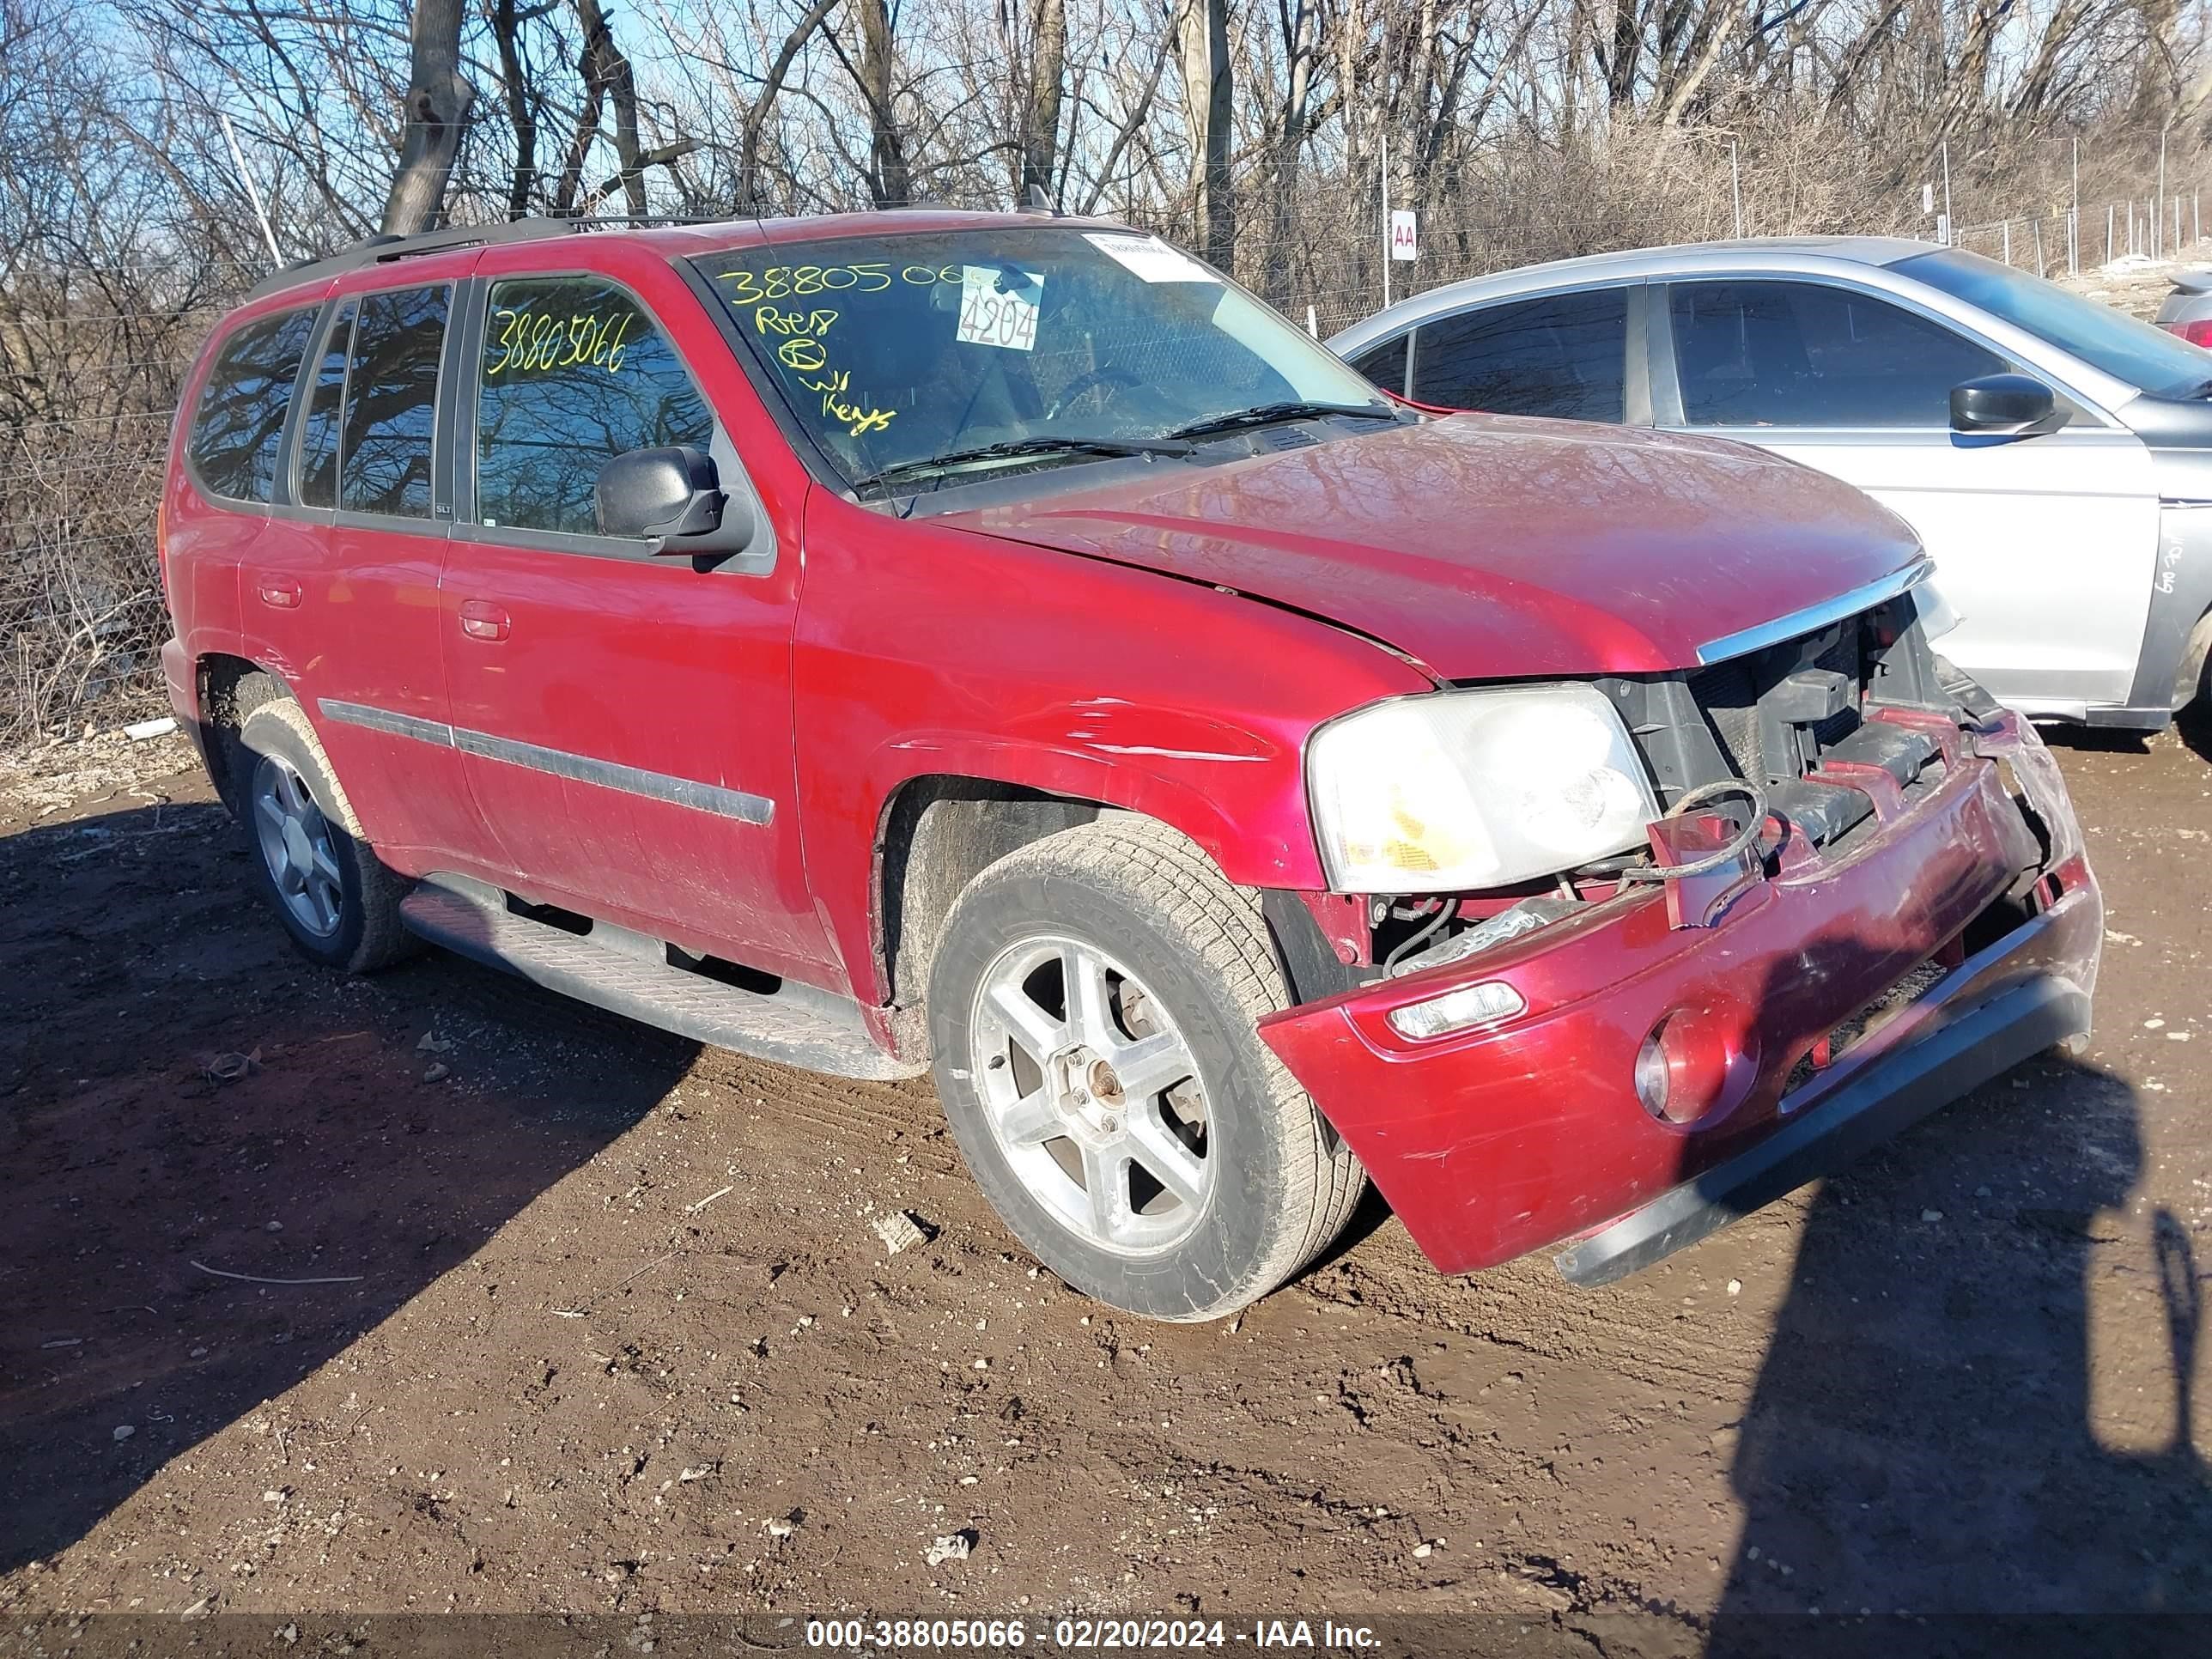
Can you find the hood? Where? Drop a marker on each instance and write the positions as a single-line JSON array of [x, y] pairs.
[[1493, 547]]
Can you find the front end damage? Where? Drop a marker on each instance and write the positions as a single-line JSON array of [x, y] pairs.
[[1898, 908]]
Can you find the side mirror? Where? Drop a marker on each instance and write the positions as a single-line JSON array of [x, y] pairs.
[[2003, 405], [672, 500]]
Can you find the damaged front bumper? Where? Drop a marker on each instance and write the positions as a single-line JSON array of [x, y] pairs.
[[1505, 1139]]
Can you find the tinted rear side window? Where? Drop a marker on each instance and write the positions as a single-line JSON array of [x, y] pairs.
[[1385, 364], [392, 390], [575, 374], [318, 431], [1564, 355], [240, 421]]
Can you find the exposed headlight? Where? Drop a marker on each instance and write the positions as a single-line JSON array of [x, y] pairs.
[[1474, 789]]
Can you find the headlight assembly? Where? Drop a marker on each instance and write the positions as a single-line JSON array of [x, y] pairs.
[[1463, 790]]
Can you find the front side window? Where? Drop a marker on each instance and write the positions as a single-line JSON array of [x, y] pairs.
[[2101, 335], [894, 351], [1563, 355], [391, 402], [575, 374], [1806, 355], [239, 423]]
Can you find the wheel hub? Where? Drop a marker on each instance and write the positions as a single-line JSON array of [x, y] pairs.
[[1088, 1095]]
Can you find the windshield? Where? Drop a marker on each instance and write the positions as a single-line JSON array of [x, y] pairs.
[[2160, 363], [892, 350]]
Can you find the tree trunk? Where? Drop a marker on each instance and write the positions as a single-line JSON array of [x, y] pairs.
[[1202, 37], [438, 100], [1040, 113], [505, 29], [607, 80], [893, 182], [756, 117], [1289, 146]]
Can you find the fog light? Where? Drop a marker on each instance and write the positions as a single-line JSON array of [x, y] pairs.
[[1651, 1079], [1454, 1011], [1684, 1065]]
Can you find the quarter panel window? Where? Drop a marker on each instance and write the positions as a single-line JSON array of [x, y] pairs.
[[1806, 355], [239, 423], [575, 372], [1563, 355], [391, 389]]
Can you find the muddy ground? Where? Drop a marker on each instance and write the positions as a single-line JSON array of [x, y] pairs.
[[579, 1316]]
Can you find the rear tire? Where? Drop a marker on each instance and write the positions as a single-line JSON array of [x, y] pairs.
[[1203, 1179], [311, 861]]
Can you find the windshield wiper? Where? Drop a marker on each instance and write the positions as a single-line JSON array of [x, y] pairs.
[[1020, 446], [1267, 414]]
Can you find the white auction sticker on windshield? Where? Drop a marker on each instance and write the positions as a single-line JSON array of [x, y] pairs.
[[1149, 256], [999, 307]]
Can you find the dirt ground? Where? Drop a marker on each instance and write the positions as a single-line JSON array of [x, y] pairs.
[[572, 1316]]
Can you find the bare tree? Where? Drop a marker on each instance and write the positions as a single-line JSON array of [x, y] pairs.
[[1047, 76], [1202, 41], [439, 97]]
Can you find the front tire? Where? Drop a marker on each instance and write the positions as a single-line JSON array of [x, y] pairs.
[[336, 898], [1093, 1007]]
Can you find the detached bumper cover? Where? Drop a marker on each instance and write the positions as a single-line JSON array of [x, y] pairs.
[[1510, 1137], [1917, 1078]]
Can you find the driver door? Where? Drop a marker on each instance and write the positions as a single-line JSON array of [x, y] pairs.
[[624, 719], [2045, 546]]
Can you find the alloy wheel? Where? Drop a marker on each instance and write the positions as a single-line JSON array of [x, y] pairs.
[[1093, 1095], [297, 846]]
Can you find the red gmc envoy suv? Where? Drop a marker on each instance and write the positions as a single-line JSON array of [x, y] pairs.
[[1001, 644]]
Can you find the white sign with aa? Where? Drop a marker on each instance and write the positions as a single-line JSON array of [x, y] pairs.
[[1405, 234]]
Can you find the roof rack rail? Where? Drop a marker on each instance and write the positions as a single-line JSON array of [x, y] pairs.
[[385, 247]]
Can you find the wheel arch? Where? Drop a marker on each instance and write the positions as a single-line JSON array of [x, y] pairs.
[[936, 832], [227, 695]]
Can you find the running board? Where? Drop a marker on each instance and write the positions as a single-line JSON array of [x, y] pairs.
[[628, 974]]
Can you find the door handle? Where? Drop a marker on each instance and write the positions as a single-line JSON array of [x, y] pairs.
[[481, 620], [281, 592]]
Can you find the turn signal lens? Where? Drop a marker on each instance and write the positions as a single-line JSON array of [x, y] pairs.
[[1454, 1011]]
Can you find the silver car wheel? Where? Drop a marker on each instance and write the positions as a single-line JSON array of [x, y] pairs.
[[296, 846], [1092, 1094]]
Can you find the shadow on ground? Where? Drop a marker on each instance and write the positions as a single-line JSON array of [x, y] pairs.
[[1925, 1440], [150, 1200]]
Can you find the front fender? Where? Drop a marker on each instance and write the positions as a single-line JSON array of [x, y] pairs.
[[969, 657]]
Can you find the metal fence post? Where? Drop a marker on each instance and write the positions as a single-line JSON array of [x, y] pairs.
[[2108, 232], [1950, 224], [2036, 225], [1386, 218], [2007, 242]]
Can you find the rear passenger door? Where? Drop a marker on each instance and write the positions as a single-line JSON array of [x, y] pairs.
[[2044, 545], [340, 594], [624, 719]]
